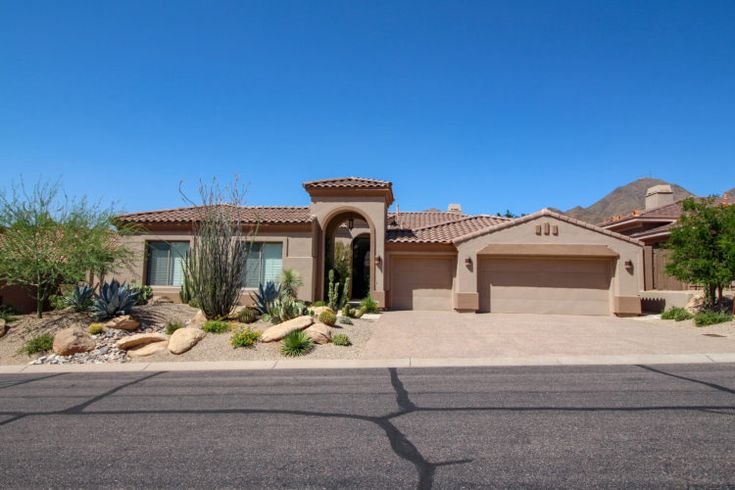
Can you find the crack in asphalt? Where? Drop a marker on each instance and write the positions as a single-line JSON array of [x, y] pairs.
[[400, 444]]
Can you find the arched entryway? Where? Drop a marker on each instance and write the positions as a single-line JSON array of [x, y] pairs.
[[348, 242]]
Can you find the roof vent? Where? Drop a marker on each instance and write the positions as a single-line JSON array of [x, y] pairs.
[[659, 195], [454, 208]]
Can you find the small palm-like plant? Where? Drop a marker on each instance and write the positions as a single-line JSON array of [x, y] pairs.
[[113, 299], [297, 343], [290, 283], [369, 305]]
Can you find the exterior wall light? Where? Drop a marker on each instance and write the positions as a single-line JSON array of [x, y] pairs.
[[350, 224], [629, 264], [378, 260], [468, 261]]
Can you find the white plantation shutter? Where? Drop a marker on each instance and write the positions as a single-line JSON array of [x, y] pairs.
[[178, 255], [158, 264], [253, 265], [272, 262]]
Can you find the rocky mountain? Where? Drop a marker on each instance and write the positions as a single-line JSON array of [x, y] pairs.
[[623, 200]]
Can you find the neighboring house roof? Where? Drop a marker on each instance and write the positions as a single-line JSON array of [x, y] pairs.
[[659, 230], [348, 183], [543, 213], [669, 212], [248, 214], [445, 232]]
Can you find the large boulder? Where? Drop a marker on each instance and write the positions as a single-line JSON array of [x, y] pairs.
[[124, 322], [148, 349], [184, 339], [72, 340], [321, 309], [277, 332], [696, 302], [319, 333], [138, 340]]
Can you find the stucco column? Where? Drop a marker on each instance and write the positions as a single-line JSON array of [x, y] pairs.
[[466, 297], [378, 266]]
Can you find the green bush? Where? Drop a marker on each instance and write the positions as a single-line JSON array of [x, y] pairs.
[[704, 318], [678, 314], [369, 305], [8, 313], [341, 340], [328, 318], [144, 293], [297, 343], [247, 315], [41, 343], [358, 314], [171, 327], [244, 337], [57, 302], [216, 326], [95, 328], [345, 320], [318, 303]]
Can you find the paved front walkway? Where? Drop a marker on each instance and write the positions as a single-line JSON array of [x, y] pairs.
[[422, 334]]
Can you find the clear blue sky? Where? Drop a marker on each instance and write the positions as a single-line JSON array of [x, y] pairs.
[[494, 105]]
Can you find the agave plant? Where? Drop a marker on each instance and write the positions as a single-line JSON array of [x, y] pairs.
[[265, 296], [81, 297], [113, 299]]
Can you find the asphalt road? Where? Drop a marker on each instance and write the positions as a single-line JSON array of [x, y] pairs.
[[602, 427]]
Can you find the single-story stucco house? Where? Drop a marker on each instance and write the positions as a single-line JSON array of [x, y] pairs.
[[428, 260]]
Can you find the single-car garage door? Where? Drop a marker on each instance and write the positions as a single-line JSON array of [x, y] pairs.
[[422, 283], [544, 285]]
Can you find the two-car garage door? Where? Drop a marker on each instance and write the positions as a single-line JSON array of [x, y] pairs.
[[544, 285]]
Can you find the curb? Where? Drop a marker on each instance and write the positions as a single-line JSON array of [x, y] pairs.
[[285, 364]]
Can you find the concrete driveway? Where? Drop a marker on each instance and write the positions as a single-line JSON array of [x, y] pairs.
[[433, 334]]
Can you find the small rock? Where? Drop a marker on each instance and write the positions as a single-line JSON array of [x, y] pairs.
[[319, 333], [148, 349], [198, 320], [277, 332], [138, 340], [124, 322], [184, 339], [72, 340]]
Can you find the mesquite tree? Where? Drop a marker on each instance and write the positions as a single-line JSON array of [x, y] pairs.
[[48, 239], [703, 247], [215, 263]]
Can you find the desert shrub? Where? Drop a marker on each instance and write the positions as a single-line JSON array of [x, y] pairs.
[[345, 320], [215, 326], [297, 343], [341, 340], [40, 343], [113, 299], [81, 297], [290, 283], [369, 305], [247, 315], [95, 328], [57, 302], [328, 318], [7, 313], [318, 303], [678, 314], [704, 318], [244, 337], [173, 326], [143, 293]]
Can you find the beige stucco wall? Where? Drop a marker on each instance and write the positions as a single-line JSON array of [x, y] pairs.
[[625, 284], [297, 255]]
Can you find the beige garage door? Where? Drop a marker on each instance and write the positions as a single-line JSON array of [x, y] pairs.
[[422, 283], [527, 285]]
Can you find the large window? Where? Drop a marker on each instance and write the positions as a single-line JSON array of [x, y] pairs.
[[263, 263], [166, 263]]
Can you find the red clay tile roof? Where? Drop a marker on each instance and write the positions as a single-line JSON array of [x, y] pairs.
[[248, 214], [445, 232], [417, 219], [348, 183], [669, 212]]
